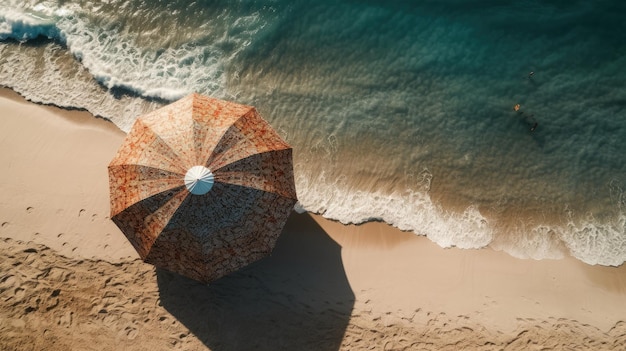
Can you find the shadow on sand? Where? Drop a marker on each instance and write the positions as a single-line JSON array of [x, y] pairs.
[[296, 299]]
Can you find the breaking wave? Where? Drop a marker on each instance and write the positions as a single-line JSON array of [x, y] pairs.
[[116, 59]]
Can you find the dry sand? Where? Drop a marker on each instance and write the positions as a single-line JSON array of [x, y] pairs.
[[70, 281]]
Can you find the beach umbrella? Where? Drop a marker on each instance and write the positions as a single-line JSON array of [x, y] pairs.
[[202, 187]]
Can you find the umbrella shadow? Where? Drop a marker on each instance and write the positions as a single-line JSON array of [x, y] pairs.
[[297, 299]]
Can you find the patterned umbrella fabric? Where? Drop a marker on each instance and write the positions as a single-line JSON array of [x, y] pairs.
[[202, 187]]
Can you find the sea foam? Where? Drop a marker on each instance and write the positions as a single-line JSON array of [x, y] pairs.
[[412, 210], [590, 241], [116, 60], [598, 243], [23, 27], [49, 75]]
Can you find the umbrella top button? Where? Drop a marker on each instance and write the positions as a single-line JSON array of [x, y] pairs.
[[199, 180]]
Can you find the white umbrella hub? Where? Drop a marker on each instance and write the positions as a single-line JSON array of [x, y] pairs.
[[199, 180]]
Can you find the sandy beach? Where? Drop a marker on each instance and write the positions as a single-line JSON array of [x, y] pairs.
[[69, 280]]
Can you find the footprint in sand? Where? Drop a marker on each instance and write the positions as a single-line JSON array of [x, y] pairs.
[[19, 294], [94, 217], [8, 281], [5, 224], [66, 320], [52, 302], [56, 274], [109, 320], [130, 331], [80, 213], [29, 209]]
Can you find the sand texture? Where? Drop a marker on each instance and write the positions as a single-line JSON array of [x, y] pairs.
[[51, 302], [69, 279]]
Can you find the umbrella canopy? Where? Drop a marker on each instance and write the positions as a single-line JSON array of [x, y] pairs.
[[202, 187]]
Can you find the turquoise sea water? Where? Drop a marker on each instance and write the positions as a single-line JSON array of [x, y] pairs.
[[397, 111]]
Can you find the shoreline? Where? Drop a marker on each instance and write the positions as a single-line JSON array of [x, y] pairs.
[[56, 194]]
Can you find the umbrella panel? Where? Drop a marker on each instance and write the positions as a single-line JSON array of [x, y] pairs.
[[205, 237]]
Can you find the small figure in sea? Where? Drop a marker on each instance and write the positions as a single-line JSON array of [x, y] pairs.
[[531, 74], [516, 107], [532, 129]]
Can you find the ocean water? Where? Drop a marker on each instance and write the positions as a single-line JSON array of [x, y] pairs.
[[398, 111]]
